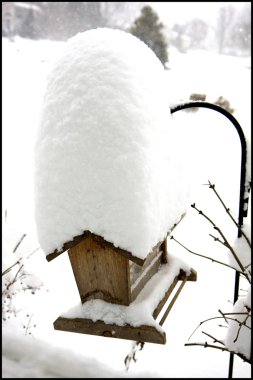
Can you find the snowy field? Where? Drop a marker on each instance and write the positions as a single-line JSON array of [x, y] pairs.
[[212, 143]]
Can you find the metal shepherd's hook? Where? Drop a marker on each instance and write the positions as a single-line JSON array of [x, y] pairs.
[[244, 187]]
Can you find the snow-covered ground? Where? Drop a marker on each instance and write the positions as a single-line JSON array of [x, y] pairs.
[[214, 146]]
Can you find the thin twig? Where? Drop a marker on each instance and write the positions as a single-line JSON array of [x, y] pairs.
[[18, 262], [212, 186], [30, 254], [223, 243], [205, 257], [214, 339], [15, 278], [28, 324], [239, 329], [235, 313], [215, 238], [19, 242], [219, 348], [210, 319], [223, 315], [225, 240], [10, 268]]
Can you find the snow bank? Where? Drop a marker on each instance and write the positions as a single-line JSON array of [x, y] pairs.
[[106, 159], [25, 356], [240, 342], [242, 250]]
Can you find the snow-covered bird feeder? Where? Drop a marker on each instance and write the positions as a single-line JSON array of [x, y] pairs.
[[109, 186]]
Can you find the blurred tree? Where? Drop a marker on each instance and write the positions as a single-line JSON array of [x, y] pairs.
[[234, 30], [62, 20], [225, 18], [196, 30], [179, 38], [21, 18], [120, 14], [149, 30], [241, 31]]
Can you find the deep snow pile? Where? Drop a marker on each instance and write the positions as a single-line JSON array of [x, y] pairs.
[[106, 158], [238, 337]]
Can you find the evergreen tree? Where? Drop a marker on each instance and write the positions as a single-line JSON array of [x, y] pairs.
[[149, 30]]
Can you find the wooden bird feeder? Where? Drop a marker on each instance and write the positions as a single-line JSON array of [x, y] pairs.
[[103, 271]]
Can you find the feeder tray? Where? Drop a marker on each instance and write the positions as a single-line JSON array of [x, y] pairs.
[[143, 333]]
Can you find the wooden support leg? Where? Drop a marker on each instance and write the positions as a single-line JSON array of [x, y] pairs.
[[172, 302]]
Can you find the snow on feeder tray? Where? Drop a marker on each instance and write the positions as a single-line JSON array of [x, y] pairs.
[[108, 185]]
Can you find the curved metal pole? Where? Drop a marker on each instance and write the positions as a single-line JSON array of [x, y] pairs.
[[243, 200]]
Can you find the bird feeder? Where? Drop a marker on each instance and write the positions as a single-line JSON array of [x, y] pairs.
[[103, 271], [108, 185]]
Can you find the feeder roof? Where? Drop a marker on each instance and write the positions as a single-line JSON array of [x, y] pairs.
[[106, 158]]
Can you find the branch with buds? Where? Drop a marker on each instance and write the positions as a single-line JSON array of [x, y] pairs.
[[244, 270]]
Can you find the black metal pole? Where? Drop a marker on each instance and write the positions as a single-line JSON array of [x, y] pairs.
[[243, 199]]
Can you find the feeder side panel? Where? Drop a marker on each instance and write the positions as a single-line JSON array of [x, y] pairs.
[[100, 272]]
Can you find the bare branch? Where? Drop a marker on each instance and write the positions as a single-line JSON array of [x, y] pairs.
[[212, 186], [214, 339], [10, 268], [205, 257], [225, 241], [19, 242], [15, 278], [219, 348], [215, 238], [210, 319], [241, 324], [222, 315], [28, 324], [236, 313], [18, 262]]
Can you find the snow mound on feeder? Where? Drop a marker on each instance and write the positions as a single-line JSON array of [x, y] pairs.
[[105, 157]]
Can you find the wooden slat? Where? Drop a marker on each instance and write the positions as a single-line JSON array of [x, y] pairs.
[[171, 304], [181, 277], [142, 333], [149, 273], [137, 270], [165, 298], [100, 272]]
